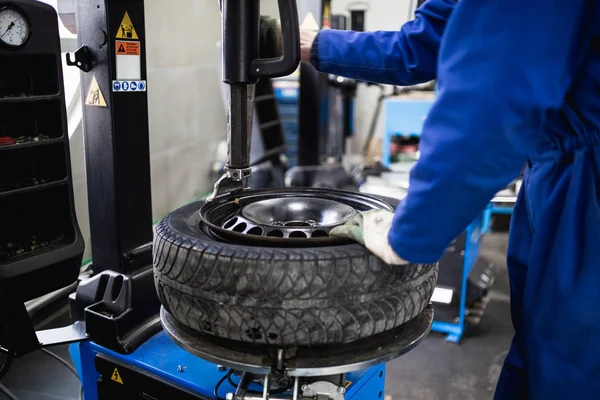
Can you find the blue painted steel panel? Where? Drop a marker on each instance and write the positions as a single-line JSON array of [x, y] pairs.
[[160, 357]]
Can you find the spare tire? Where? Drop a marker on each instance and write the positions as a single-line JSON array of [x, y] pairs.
[[281, 296]]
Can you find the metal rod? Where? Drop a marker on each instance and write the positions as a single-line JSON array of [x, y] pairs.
[[296, 388], [242, 388], [266, 388]]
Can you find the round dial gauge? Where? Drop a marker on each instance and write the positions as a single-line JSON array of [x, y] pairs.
[[14, 28]]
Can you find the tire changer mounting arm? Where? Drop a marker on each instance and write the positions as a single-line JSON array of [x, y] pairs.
[[242, 67]]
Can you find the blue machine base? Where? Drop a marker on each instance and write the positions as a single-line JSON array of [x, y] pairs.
[[164, 361], [474, 234]]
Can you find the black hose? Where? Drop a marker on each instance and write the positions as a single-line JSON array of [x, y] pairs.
[[218, 385], [4, 390], [62, 361]]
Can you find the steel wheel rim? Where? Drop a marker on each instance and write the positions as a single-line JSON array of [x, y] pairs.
[[253, 217]]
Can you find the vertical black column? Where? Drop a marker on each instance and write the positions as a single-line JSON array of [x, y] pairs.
[[312, 103], [115, 120]]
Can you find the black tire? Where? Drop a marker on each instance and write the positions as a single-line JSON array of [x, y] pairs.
[[281, 296]]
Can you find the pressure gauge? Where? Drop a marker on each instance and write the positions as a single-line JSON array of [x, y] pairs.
[[14, 27]]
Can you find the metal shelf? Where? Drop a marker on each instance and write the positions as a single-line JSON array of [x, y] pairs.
[[28, 145], [29, 99], [34, 188]]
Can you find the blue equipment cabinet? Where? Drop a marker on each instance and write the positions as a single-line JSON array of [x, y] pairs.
[[161, 370]]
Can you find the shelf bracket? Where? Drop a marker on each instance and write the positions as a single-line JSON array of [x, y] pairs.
[[83, 59]]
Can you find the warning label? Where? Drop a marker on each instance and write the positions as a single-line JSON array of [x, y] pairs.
[[94, 96], [127, 48], [116, 377], [129, 61], [126, 29]]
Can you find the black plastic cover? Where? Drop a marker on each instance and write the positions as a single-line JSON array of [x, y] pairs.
[[121, 311], [41, 246]]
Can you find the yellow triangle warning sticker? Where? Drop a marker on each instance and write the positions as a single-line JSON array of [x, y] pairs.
[[116, 377], [94, 96], [126, 29]]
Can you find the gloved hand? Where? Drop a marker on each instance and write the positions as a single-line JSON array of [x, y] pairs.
[[371, 229], [270, 39], [307, 37]]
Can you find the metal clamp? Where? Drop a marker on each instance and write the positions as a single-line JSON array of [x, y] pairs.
[[233, 179], [238, 174]]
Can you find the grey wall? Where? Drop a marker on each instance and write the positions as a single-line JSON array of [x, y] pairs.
[[186, 115]]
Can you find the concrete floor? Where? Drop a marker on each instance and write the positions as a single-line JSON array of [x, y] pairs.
[[434, 370]]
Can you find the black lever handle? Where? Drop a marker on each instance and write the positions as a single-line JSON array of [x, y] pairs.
[[290, 36]]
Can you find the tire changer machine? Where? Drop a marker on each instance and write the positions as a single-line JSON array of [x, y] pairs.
[[120, 346]]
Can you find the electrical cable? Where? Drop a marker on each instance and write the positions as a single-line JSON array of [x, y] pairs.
[[218, 385], [4, 390], [10, 354], [66, 364], [62, 361]]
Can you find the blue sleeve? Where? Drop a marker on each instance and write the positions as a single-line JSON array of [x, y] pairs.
[[404, 57], [503, 66]]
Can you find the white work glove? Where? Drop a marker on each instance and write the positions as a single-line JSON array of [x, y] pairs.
[[307, 37], [371, 229]]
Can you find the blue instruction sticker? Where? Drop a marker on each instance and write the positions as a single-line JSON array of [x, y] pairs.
[[129, 86]]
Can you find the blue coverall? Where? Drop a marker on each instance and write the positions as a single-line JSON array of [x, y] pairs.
[[519, 82]]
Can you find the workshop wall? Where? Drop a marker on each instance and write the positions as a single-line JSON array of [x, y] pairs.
[[186, 113]]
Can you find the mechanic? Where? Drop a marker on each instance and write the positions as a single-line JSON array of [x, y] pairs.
[[519, 82]]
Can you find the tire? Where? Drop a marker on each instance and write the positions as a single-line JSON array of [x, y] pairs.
[[281, 296]]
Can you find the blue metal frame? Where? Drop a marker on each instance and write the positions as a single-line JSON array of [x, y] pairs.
[[492, 209], [160, 357], [474, 235]]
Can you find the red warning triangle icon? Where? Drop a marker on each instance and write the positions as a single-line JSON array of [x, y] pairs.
[[121, 49]]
